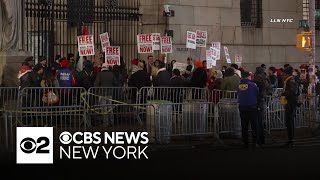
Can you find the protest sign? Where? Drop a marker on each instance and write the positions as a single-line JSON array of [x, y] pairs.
[[202, 38], [226, 52], [214, 63], [156, 37], [191, 40], [85, 45], [144, 43], [238, 59], [166, 45], [217, 47], [105, 41], [209, 55], [181, 66], [112, 55]]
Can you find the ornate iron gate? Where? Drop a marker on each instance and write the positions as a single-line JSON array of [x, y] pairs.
[[51, 26]]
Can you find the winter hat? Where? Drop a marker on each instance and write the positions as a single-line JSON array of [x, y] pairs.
[[199, 64], [135, 62], [64, 63]]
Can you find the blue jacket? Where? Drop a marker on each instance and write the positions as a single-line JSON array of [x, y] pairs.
[[248, 93], [64, 77]]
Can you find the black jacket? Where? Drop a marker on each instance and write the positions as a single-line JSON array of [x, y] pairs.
[[86, 79], [291, 92], [199, 78], [34, 79], [162, 79], [139, 79], [104, 79], [176, 82]]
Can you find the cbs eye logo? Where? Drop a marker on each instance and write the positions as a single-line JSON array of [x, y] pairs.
[[65, 137], [29, 145]]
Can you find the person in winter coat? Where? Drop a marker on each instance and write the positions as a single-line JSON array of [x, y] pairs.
[[66, 80], [105, 78], [86, 77], [23, 75], [273, 77], [186, 76], [176, 80], [199, 76], [215, 84], [134, 66], [35, 77], [118, 76], [139, 80], [231, 81], [289, 100], [163, 76]]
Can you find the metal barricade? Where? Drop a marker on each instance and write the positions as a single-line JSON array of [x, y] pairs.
[[228, 117], [216, 95], [275, 114], [172, 94], [61, 108], [8, 103]]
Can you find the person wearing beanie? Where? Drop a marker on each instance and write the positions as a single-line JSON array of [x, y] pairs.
[[230, 81], [248, 93], [134, 66], [199, 77], [289, 100]]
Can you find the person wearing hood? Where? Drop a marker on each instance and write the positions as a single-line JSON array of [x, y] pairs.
[[87, 76], [199, 77], [230, 81], [163, 76]]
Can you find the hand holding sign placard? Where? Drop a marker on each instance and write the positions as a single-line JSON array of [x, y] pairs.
[[226, 51], [191, 40], [105, 41], [85, 45], [144, 43], [201, 38], [112, 55], [166, 45]]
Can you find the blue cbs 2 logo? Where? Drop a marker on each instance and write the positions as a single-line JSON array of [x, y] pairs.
[[29, 145]]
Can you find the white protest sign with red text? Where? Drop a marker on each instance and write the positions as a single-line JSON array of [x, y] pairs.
[[105, 41], [202, 38], [238, 59], [144, 43], [226, 51], [191, 40], [156, 37], [85, 45], [112, 55], [217, 47], [166, 45]]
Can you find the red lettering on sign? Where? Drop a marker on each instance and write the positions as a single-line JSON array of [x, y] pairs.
[[145, 38], [86, 51], [112, 50], [112, 61], [145, 49]]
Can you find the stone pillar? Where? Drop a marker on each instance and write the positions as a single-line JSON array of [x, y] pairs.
[[10, 63]]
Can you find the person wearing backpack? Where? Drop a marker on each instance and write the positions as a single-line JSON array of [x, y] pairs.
[[265, 89], [289, 100]]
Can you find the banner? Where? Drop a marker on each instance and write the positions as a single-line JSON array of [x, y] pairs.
[[156, 41], [181, 66], [226, 52], [217, 47], [191, 40], [112, 55], [105, 41], [85, 45], [202, 37], [238, 59], [166, 45], [144, 43]]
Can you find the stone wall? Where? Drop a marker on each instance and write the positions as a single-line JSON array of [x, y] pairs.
[[274, 44]]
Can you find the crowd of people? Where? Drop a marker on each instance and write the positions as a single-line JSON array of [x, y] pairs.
[[252, 88]]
